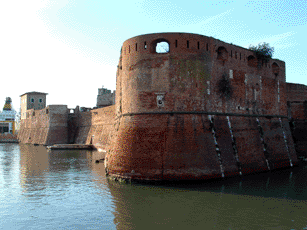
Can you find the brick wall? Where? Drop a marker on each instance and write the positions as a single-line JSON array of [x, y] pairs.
[[198, 74], [45, 127], [95, 127]]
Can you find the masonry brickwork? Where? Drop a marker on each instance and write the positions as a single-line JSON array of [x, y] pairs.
[[297, 113], [202, 109], [47, 126]]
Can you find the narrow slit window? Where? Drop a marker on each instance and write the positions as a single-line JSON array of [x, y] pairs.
[[197, 45], [136, 47], [145, 45], [187, 44], [129, 49], [207, 47], [176, 43], [231, 53], [240, 56]]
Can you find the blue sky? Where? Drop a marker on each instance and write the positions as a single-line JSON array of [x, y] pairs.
[[70, 48]]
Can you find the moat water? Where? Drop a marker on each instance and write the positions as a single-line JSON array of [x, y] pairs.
[[68, 190]]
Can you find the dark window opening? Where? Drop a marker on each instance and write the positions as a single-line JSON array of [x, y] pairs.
[[47, 111], [207, 47], [251, 61], [197, 45], [240, 56], [176, 43], [275, 69], [145, 46], [187, 44], [136, 47], [32, 100], [5, 129], [231, 53], [222, 53]]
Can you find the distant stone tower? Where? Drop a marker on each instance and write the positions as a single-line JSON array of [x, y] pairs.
[[31, 100], [105, 97]]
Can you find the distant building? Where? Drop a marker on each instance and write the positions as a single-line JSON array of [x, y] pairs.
[[7, 117], [31, 100], [105, 98]]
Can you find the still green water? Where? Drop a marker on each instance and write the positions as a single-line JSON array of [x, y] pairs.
[[68, 190]]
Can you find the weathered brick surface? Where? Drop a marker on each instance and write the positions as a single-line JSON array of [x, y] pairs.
[[276, 146], [290, 143], [189, 149], [198, 74], [297, 111], [189, 77], [45, 127], [223, 138], [94, 127], [248, 144]]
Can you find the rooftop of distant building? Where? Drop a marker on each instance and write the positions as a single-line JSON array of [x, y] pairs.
[[33, 92]]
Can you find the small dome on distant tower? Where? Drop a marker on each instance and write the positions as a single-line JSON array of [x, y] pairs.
[[8, 104]]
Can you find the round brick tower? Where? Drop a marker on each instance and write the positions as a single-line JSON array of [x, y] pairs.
[[187, 105]]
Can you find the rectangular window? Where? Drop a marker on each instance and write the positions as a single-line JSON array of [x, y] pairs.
[[176, 43], [208, 89], [32, 100], [5, 129], [230, 74], [40, 100]]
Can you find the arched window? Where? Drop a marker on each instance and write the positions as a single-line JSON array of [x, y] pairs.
[[162, 47], [222, 53], [251, 61]]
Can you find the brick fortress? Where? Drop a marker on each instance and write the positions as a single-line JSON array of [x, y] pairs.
[[188, 107]]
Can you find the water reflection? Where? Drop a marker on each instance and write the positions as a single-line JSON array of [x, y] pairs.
[[9, 157], [67, 189], [267, 201], [33, 165]]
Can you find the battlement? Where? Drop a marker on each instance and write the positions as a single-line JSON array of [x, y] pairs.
[[196, 73], [185, 43]]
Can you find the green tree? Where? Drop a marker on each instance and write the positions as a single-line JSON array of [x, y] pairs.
[[263, 52]]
